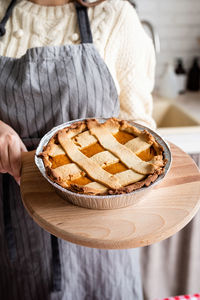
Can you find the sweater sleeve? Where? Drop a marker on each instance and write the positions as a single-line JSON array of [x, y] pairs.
[[135, 67]]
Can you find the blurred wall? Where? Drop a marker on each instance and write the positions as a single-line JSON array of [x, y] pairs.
[[178, 25]]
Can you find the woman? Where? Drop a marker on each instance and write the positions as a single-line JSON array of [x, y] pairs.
[[50, 72]]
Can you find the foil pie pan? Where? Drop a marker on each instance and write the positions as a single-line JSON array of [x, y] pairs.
[[106, 201]]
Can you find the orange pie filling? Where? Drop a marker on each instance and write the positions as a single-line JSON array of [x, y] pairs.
[[92, 150], [122, 137], [147, 155], [116, 168], [59, 160]]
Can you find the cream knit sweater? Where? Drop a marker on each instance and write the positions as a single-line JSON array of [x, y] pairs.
[[117, 34]]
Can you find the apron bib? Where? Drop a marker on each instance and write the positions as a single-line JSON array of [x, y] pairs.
[[42, 89]]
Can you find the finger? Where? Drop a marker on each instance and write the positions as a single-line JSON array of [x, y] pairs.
[[23, 147], [5, 163], [1, 166], [3, 146], [17, 180], [14, 151]]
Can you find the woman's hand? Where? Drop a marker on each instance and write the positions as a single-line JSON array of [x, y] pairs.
[[11, 147]]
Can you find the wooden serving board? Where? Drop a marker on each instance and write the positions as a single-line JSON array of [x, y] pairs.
[[167, 208]]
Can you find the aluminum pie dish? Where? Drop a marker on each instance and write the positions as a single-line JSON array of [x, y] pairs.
[[102, 201]]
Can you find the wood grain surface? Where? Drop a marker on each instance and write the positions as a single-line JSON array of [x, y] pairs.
[[167, 208]]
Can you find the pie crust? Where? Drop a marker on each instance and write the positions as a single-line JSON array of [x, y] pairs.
[[103, 159]]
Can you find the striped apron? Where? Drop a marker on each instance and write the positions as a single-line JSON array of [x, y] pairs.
[[42, 89]]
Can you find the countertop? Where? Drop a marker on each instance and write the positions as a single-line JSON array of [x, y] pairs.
[[189, 101], [187, 138]]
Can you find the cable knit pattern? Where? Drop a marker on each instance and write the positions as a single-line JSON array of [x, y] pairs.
[[117, 34]]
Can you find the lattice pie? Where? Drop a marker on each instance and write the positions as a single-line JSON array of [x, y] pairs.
[[110, 158]]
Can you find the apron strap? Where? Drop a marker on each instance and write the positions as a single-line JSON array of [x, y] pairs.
[[8, 228], [83, 21], [56, 266], [84, 24], [6, 17]]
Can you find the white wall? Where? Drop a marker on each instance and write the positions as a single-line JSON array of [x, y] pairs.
[[178, 25]]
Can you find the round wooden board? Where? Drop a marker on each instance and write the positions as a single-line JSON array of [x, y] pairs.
[[167, 208]]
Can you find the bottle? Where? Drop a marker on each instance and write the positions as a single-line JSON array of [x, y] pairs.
[[168, 87], [193, 83], [181, 76]]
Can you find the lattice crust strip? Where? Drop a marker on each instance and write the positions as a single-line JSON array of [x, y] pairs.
[[128, 177], [71, 171], [68, 172], [136, 145], [105, 159], [56, 150], [86, 139], [96, 188], [74, 141], [130, 159], [93, 170]]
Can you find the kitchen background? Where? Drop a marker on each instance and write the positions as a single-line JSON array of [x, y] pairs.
[[177, 24]]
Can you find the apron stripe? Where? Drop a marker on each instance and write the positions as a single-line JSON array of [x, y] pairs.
[[10, 237], [3, 278], [56, 264], [48, 81], [14, 221], [23, 241], [68, 107], [43, 82], [28, 249], [81, 87], [86, 86], [33, 101], [1, 72], [56, 72], [42, 97], [94, 85], [22, 254], [2, 67], [45, 242], [5, 92], [6, 259], [13, 93], [25, 105], [17, 276], [77, 112], [102, 86]]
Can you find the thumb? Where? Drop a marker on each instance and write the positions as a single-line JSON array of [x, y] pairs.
[[17, 179], [23, 147]]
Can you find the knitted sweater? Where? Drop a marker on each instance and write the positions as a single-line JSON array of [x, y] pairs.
[[118, 36]]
